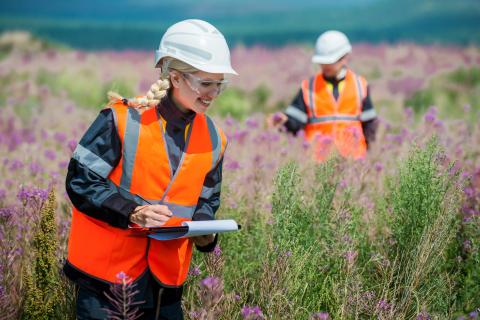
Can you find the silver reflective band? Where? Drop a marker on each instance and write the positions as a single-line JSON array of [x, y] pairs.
[[92, 161], [177, 210], [296, 114], [130, 142], [216, 142], [359, 88], [332, 118], [208, 192], [190, 51], [368, 115], [181, 211]]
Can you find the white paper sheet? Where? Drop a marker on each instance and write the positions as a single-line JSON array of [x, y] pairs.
[[195, 228]]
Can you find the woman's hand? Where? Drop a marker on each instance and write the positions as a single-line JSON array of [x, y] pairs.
[[203, 241], [150, 216]]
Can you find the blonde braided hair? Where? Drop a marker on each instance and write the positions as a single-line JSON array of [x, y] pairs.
[[158, 89]]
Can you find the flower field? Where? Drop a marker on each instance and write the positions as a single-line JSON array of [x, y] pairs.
[[393, 236]]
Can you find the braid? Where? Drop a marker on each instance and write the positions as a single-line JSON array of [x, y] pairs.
[[159, 89]]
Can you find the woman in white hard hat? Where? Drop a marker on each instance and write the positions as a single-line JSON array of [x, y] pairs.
[[148, 162], [333, 107]]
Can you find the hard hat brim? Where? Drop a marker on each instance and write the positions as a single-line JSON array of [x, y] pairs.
[[325, 60], [159, 55], [333, 57]]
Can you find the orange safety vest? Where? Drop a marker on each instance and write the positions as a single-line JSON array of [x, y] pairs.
[[144, 174], [335, 123]]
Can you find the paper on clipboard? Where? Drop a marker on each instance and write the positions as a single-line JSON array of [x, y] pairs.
[[194, 228]]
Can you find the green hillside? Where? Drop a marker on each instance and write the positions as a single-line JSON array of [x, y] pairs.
[[122, 24]]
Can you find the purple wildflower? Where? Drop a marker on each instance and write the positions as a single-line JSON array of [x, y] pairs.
[[408, 113], [383, 305], [251, 123], [26, 195], [423, 316], [72, 144], [16, 164], [378, 166], [240, 136], [469, 192], [195, 271], [277, 117], [50, 154], [60, 137], [211, 291], [351, 256], [35, 168], [232, 165], [63, 164], [321, 316], [217, 251], [252, 313], [229, 121], [210, 282]]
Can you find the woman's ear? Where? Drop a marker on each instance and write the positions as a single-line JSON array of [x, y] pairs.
[[175, 79]]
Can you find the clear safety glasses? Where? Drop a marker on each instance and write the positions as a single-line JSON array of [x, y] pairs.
[[204, 86]]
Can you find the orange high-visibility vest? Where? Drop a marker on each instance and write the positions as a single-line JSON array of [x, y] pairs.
[[145, 175], [335, 124]]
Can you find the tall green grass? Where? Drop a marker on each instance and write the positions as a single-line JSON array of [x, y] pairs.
[[320, 255]]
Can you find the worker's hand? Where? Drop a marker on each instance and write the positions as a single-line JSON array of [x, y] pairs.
[[151, 216], [203, 241], [276, 120]]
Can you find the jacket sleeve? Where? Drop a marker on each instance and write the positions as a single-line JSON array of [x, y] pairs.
[[296, 113], [369, 120], [95, 156], [209, 201]]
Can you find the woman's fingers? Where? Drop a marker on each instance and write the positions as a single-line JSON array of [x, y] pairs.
[[151, 216], [160, 209]]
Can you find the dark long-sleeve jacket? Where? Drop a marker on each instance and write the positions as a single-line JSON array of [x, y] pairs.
[[297, 112], [99, 198]]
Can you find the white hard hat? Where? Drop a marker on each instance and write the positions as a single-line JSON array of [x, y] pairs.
[[197, 43], [330, 47]]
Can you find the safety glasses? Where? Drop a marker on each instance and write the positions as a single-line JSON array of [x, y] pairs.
[[203, 86]]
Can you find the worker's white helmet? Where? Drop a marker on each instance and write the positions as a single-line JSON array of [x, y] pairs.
[[197, 43], [330, 47]]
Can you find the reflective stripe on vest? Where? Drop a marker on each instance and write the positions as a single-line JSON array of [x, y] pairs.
[[144, 175], [336, 122]]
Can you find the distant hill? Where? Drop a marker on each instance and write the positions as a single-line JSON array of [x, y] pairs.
[[122, 24]]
